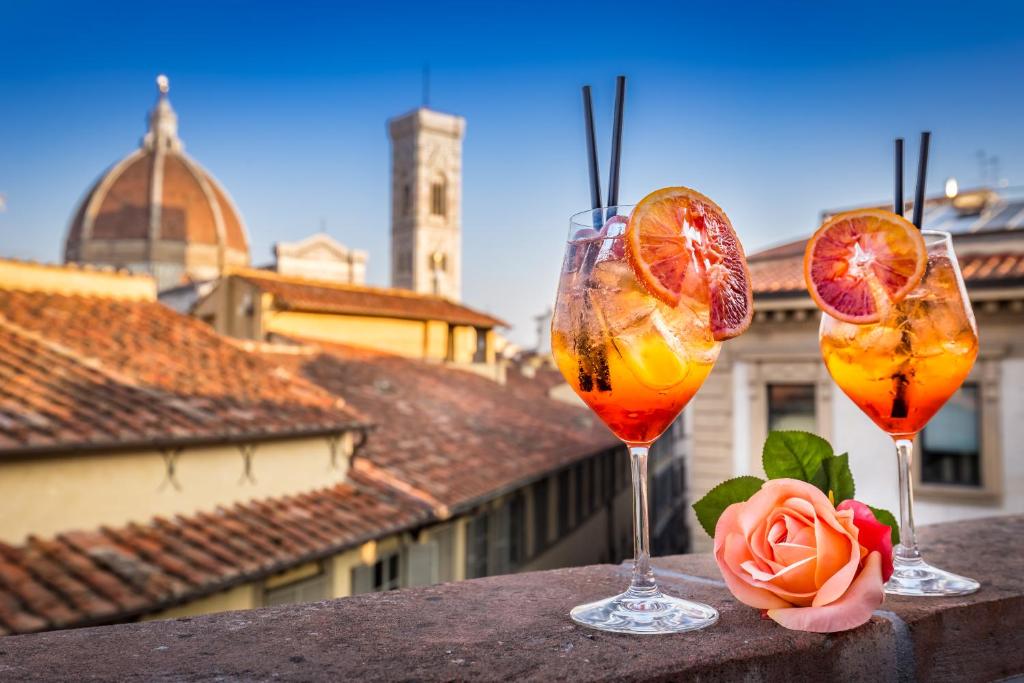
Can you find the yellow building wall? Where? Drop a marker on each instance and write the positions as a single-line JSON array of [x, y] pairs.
[[391, 335], [237, 598], [45, 495], [436, 341], [82, 281], [465, 344]]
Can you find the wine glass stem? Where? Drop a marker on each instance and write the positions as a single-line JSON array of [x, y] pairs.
[[643, 577], [907, 548]]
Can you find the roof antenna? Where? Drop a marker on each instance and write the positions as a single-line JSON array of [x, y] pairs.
[[426, 86]]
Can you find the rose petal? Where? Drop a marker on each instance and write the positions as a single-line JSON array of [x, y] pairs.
[[731, 550], [850, 611], [845, 553], [791, 553], [872, 534]]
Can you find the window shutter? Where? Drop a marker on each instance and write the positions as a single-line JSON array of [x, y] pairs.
[[362, 579], [421, 564]]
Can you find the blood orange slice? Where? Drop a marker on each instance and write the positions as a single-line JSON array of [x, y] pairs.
[[682, 246], [858, 259]]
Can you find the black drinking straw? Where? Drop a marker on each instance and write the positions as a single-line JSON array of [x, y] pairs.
[[595, 173], [613, 174], [897, 201], [922, 170]]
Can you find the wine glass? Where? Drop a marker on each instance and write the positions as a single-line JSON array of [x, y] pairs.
[[900, 371], [636, 362]]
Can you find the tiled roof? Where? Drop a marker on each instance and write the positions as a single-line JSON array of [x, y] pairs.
[[320, 296], [112, 574], [779, 271], [79, 371], [451, 434]]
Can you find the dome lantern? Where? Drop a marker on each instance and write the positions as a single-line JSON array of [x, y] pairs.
[[163, 122]]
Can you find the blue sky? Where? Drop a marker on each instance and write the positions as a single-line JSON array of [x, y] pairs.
[[775, 112]]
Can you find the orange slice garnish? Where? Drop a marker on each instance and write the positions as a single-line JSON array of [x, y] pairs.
[[858, 259], [682, 246]]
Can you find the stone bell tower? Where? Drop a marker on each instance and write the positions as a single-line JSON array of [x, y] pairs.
[[426, 202]]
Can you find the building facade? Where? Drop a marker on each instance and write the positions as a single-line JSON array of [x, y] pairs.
[[320, 257]]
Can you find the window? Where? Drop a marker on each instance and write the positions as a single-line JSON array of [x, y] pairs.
[[592, 473], [950, 444], [577, 475], [438, 198], [406, 199], [540, 516], [480, 355], [563, 503], [516, 530], [404, 261], [308, 589], [791, 406], [382, 575], [476, 546]]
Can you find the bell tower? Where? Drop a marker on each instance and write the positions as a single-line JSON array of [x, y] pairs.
[[426, 202]]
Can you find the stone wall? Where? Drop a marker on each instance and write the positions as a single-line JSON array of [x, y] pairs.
[[516, 628]]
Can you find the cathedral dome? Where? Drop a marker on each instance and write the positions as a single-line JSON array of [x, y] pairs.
[[158, 211]]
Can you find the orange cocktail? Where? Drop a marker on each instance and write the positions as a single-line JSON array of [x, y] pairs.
[[902, 369], [635, 360]]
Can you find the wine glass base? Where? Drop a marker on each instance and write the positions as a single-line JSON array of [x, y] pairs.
[[644, 613], [918, 578]]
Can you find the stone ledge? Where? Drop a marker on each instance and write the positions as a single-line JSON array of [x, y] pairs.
[[515, 627]]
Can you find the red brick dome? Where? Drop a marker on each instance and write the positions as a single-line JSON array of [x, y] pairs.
[[159, 211]]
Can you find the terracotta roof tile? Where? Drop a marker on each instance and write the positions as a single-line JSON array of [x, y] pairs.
[[301, 294], [91, 371], [455, 436], [83, 578]]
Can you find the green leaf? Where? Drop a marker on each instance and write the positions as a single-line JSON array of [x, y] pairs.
[[886, 518], [838, 477], [796, 455], [710, 507]]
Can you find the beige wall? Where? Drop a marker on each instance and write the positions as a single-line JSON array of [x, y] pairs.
[[45, 495], [237, 598]]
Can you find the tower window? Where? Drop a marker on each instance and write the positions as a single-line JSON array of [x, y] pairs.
[[439, 198], [406, 199]]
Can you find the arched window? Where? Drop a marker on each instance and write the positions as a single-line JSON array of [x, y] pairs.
[[439, 196]]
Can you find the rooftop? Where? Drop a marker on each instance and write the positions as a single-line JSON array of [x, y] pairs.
[[321, 296], [452, 435], [516, 627], [84, 578], [83, 372]]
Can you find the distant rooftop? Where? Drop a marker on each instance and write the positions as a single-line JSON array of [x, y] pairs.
[[323, 296], [988, 230], [98, 371]]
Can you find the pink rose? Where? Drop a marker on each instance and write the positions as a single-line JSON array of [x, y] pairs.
[[789, 551]]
